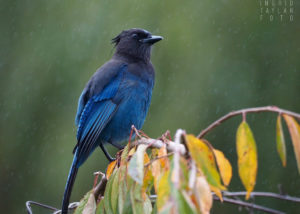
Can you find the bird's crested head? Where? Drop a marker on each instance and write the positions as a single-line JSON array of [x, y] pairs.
[[135, 43]]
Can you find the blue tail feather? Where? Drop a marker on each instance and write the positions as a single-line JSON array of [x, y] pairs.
[[69, 185]]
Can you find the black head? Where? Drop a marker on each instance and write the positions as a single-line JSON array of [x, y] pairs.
[[135, 43]]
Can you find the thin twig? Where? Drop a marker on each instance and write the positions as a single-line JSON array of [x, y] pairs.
[[100, 188], [157, 158], [263, 194], [245, 111], [250, 205], [237, 202], [29, 203], [96, 174]]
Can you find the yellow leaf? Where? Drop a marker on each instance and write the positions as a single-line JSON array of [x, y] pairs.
[[164, 161], [294, 129], [203, 195], [224, 167], [205, 160], [280, 142], [110, 168], [217, 192], [131, 152], [247, 157], [156, 172], [146, 158], [148, 177], [163, 192]]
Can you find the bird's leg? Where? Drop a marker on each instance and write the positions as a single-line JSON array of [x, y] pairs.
[[109, 158]]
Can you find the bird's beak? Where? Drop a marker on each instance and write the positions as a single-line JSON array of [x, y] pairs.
[[151, 40]]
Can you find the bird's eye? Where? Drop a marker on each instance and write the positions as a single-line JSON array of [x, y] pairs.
[[135, 36]]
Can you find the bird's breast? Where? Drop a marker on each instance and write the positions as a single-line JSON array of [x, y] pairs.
[[133, 98]]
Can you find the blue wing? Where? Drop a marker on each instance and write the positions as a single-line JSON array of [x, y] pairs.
[[95, 115]]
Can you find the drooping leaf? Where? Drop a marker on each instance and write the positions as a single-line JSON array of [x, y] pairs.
[[184, 173], [90, 207], [159, 166], [183, 202], [280, 141], [128, 207], [131, 152], [136, 198], [164, 161], [122, 189], [217, 191], [136, 164], [175, 175], [124, 155], [115, 191], [148, 179], [167, 208], [108, 195], [139, 200], [163, 192], [100, 208], [147, 205], [203, 195], [83, 202], [205, 160], [110, 168], [294, 129], [224, 167], [157, 173], [247, 157]]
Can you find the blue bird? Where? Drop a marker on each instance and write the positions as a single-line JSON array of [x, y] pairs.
[[116, 97]]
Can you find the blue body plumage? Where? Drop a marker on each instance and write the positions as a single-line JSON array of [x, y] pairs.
[[117, 96]]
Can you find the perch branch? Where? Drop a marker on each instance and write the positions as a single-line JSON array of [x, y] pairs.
[[154, 143], [244, 112], [263, 194], [249, 205]]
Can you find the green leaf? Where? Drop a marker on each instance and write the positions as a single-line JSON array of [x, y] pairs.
[[136, 164], [90, 206], [147, 206], [184, 203], [136, 198], [83, 202], [126, 183], [115, 192], [124, 154], [167, 208], [122, 188], [280, 142], [108, 194], [247, 157], [100, 208]]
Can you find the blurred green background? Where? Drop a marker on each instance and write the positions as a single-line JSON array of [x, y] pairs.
[[216, 57]]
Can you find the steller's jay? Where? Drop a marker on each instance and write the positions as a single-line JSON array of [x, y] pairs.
[[116, 97]]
